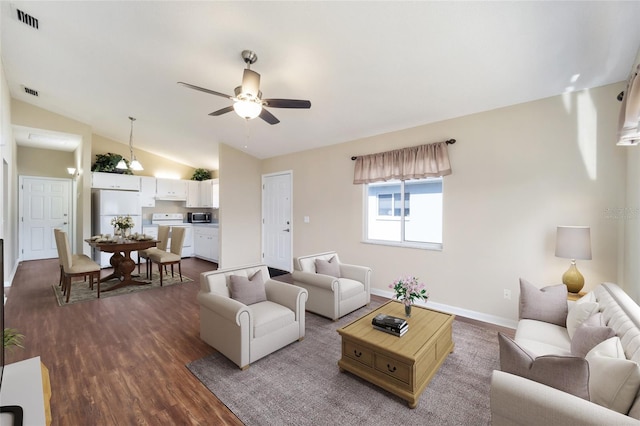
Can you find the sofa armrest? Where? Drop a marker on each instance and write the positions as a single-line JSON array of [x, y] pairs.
[[227, 308], [325, 282], [519, 401], [291, 296]]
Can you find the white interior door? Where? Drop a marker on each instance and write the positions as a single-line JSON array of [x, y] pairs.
[[277, 230], [44, 205]]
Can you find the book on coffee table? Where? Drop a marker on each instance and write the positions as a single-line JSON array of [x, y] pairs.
[[397, 333], [390, 324]]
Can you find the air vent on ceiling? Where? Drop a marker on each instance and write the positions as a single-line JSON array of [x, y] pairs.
[[30, 91], [25, 18]]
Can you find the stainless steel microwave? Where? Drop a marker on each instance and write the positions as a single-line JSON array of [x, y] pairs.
[[198, 217]]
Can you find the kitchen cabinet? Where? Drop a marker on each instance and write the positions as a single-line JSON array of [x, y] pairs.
[[205, 243], [171, 189], [101, 180], [203, 193], [147, 191], [193, 194], [209, 193]]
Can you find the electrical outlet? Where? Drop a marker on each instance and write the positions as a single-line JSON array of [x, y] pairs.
[[507, 294]]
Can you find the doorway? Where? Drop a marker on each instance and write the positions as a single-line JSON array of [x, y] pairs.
[[44, 204], [277, 226]]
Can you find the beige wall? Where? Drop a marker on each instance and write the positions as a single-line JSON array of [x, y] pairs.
[[44, 162], [153, 165], [518, 172], [27, 115], [240, 208]]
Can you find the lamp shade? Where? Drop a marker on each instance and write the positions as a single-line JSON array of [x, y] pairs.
[[573, 242]]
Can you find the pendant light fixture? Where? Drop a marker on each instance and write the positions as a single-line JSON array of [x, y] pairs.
[[134, 163]]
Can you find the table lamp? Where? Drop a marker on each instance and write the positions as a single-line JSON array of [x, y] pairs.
[[573, 242]]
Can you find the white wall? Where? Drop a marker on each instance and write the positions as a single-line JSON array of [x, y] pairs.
[[8, 183], [518, 172]]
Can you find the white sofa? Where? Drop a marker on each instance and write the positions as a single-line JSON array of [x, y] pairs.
[[518, 401], [246, 333], [333, 296]]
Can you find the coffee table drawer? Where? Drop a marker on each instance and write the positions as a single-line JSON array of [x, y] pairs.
[[393, 368], [358, 353]]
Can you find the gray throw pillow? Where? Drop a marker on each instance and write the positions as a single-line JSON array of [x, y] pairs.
[[330, 267], [548, 304], [248, 290], [566, 373], [588, 336]]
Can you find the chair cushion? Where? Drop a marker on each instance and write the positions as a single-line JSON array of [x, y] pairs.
[[330, 267], [248, 290], [269, 317], [159, 256], [548, 304], [350, 288], [542, 338], [566, 373]]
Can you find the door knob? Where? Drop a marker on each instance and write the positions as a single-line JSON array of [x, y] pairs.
[[286, 230]]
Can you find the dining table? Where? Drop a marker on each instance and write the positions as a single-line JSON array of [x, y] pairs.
[[121, 260]]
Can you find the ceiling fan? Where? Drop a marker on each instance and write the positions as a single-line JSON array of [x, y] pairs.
[[248, 102]]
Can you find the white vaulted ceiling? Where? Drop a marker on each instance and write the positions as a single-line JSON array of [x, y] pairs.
[[367, 67]]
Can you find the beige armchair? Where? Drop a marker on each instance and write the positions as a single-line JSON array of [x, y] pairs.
[[333, 296], [246, 333]]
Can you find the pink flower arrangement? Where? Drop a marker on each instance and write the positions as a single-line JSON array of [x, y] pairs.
[[408, 289]]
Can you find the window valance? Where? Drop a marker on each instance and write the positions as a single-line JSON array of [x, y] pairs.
[[417, 162]]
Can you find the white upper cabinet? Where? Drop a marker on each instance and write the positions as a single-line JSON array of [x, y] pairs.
[[115, 181], [171, 189], [215, 195], [193, 193], [209, 193], [147, 191]]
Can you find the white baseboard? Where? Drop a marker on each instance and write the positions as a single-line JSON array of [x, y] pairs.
[[12, 274], [480, 316]]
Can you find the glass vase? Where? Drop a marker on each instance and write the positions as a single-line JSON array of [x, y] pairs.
[[407, 311]]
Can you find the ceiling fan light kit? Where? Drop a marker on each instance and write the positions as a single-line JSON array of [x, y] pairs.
[[248, 102]]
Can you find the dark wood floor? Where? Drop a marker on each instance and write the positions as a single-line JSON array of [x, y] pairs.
[[118, 360]]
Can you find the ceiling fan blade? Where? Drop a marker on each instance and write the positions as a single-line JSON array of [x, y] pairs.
[[221, 111], [202, 89], [287, 103], [250, 83], [268, 117]]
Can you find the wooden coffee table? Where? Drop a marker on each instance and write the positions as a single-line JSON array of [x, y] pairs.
[[403, 365]]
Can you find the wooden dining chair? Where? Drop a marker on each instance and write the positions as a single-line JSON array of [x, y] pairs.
[[78, 266], [163, 238], [173, 256]]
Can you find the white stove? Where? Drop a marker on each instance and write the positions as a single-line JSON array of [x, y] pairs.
[[176, 219], [167, 219]]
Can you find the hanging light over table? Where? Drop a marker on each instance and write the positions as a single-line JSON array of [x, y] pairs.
[[134, 163]]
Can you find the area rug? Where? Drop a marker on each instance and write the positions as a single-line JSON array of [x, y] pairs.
[[301, 384], [81, 292]]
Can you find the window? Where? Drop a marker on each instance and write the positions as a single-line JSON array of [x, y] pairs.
[[407, 213], [390, 204]]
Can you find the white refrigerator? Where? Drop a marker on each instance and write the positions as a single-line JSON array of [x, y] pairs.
[[106, 205]]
